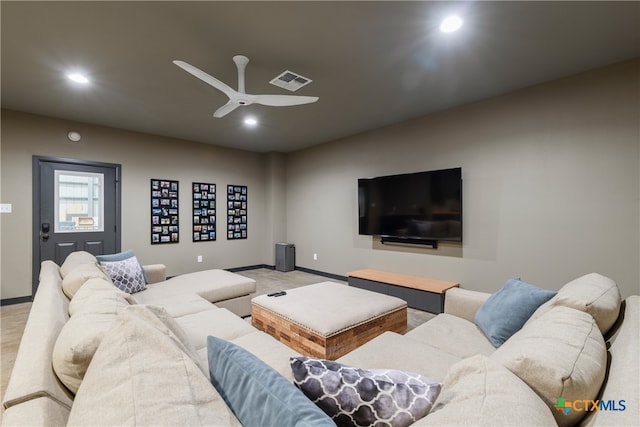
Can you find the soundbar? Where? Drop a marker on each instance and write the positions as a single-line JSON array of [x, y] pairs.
[[409, 241]]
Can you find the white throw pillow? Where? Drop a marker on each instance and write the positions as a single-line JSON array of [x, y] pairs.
[[479, 391], [98, 295], [560, 355], [592, 293], [75, 259], [92, 310], [79, 275], [144, 373]]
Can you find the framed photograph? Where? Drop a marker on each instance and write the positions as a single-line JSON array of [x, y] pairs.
[[236, 212], [164, 211], [204, 212]]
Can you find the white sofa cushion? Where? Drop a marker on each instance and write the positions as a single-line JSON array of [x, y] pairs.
[[592, 293], [98, 296], [454, 335], [75, 259], [464, 303], [176, 304], [93, 309], [38, 411], [32, 375], [479, 391], [145, 373], [217, 322], [622, 392], [394, 351], [269, 350], [77, 277], [561, 355], [212, 285]]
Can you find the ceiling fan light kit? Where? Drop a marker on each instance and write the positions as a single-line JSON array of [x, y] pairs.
[[238, 98]]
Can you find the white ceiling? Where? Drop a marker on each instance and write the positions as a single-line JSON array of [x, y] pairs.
[[372, 63]]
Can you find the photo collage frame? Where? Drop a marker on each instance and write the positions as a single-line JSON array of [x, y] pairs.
[[204, 212], [236, 212], [164, 211]]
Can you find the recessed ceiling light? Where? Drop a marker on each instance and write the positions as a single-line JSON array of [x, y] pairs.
[[250, 121], [78, 78], [74, 136], [450, 24]]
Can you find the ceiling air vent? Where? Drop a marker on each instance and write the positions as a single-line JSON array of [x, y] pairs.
[[290, 81]]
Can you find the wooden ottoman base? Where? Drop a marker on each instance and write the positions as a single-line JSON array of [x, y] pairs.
[[311, 343]]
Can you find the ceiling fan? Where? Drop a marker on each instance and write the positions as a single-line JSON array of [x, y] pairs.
[[239, 97]]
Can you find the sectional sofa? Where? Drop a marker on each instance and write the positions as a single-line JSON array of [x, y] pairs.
[[94, 355]]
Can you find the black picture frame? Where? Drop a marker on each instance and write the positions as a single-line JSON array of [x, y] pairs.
[[237, 224], [165, 226], [204, 212]]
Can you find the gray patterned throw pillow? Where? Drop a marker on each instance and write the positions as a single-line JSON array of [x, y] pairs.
[[126, 274], [365, 397]]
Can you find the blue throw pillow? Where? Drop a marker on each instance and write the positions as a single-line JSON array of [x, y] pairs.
[[506, 311], [120, 256], [256, 393]]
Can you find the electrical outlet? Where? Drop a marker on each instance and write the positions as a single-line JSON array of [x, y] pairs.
[[199, 258], [315, 257]]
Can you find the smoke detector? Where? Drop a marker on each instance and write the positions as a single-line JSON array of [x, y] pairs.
[[290, 81]]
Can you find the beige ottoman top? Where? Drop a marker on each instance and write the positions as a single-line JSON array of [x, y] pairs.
[[327, 308]]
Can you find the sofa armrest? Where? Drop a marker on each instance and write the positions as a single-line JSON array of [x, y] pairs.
[[155, 272], [463, 302]]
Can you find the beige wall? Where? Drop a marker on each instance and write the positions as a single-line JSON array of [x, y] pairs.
[[142, 157], [275, 204], [551, 187]]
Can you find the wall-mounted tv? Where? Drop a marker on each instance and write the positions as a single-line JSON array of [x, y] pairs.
[[416, 208]]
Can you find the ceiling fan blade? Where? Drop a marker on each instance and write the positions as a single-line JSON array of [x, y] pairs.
[[240, 97], [223, 87], [284, 100], [225, 109]]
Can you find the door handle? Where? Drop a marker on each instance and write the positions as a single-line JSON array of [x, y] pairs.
[[44, 231]]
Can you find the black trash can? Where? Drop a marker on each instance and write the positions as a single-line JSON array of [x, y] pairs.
[[285, 256]]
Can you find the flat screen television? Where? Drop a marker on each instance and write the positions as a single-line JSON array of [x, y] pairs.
[[417, 208]]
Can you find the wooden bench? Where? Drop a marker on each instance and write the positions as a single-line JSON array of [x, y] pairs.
[[420, 292]]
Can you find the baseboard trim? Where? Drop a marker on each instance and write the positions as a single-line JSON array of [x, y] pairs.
[[12, 301], [322, 273], [303, 269], [250, 267]]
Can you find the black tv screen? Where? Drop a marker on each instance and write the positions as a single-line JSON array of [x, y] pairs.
[[414, 206]]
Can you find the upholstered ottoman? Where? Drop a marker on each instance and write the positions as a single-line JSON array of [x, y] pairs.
[[328, 319]]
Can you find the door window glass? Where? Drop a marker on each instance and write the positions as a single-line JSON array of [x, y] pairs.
[[79, 201]]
